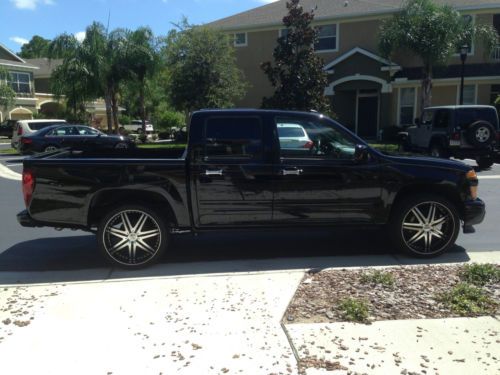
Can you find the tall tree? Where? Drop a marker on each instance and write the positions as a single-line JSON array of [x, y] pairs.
[[35, 48], [201, 69], [297, 74], [433, 33], [7, 94], [143, 61]]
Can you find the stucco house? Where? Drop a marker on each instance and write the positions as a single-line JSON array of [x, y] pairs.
[[367, 91]]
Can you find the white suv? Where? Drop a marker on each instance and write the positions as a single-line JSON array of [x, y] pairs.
[[26, 127]]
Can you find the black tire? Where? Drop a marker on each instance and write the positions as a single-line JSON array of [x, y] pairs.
[[484, 162], [480, 134], [50, 148], [438, 151], [121, 244], [409, 232]]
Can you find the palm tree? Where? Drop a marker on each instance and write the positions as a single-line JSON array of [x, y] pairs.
[[433, 33]]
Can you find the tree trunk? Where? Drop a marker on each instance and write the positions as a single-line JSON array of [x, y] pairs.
[[114, 106], [107, 101], [426, 97], [143, 106]]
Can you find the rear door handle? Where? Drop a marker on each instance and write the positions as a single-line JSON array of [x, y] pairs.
[[213, 172], [290, 172]]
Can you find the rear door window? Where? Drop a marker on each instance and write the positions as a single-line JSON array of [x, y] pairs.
[[42, 125], [233, 137], [467, 116], [442, 119]]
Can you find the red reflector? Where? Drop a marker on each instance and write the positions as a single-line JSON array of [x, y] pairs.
[[19, 130], [26, 141], [308, 144], [28, 186], [455, 136]]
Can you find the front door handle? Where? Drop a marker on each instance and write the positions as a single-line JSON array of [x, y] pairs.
[[291, 172], [213, 172]]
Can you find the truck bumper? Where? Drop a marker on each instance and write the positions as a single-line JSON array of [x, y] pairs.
[[25, 219], [474, 212]]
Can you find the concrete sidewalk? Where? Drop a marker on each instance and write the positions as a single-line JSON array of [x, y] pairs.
[[218, 323]]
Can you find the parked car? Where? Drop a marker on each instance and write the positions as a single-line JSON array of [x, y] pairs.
[[294, 138], [7, 128], [27, 127], [462, 132], [235, 175], [136, 127], [75, 137]]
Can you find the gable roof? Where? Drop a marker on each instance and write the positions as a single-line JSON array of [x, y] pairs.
[[12, 55], [272, 14], [364, 52]]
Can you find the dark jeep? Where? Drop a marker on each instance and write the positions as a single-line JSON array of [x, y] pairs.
[[462, 132]]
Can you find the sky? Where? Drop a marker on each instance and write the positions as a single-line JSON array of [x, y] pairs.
[[21, 19]]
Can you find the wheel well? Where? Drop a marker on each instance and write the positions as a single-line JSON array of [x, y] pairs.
[[447, 192], [105, 201], [437, 141]]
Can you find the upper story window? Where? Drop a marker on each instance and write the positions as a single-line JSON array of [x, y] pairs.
[[20, 82], [327, 38], [240, 40]]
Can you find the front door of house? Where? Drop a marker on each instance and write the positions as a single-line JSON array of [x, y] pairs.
[[367, 119]]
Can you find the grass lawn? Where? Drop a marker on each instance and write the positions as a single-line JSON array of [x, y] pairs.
[[8, 151], [385, 147], [162, 145]]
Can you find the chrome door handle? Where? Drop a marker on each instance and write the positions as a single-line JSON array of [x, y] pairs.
[[289, 172], [213, 172]]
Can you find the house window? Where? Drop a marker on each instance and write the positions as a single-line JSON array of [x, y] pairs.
[[327, 38], [406, 105], [469, 94], [20, 82], [240, 40]]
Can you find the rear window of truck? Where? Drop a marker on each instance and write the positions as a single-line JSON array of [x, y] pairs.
[[233, 137], [467, 116]]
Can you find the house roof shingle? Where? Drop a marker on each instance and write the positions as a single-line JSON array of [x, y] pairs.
[[46, 66], [17, 64], [272, 14]]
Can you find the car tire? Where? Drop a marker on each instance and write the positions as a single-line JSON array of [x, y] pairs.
[[484, 162], [480, 134], [133, 236], [50, 148], [424, 225], [437, 150]]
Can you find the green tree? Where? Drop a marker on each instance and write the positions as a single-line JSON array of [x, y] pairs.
[[297, 74], [433, 33], [36, 47], [7, 94], [201, 69]]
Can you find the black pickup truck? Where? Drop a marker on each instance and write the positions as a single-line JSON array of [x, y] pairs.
[[250, 168]]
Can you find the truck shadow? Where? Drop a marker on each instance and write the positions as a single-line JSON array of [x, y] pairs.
[[69, 259]]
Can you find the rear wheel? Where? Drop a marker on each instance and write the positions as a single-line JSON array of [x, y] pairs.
[[51, 148], [133, 236], [484, 162], [481, 134], [424, 225]]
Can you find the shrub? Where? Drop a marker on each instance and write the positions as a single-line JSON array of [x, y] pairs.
[[465, 299], [124, 120], [480, 274], [169, 119], [378, 277], [354, 310]]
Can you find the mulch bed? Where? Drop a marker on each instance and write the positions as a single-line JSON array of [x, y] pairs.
[[413, 295]]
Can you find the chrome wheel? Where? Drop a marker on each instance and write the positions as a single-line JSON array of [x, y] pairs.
[[428, 228], [483, 134], [132, 237]]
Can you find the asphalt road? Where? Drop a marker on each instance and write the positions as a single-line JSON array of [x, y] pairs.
[[45, 249]]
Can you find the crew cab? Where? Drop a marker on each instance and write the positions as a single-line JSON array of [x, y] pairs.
[[235, 174]]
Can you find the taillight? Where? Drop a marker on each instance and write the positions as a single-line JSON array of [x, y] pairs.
[[455, 136], [308, 144], [28, 186], [19, 130], [26, 141]]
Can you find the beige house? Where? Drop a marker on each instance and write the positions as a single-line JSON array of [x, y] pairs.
[[367, 91]]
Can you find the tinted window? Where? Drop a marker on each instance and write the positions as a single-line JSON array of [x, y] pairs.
[[41, 125], [322, 140], [87, 131], [427, 117], [233, 137], [63, 131], [466, 116], [442, 119]]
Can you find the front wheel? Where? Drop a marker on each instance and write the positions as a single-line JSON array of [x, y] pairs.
[[425, 225], [484, 162], [133, 236]]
